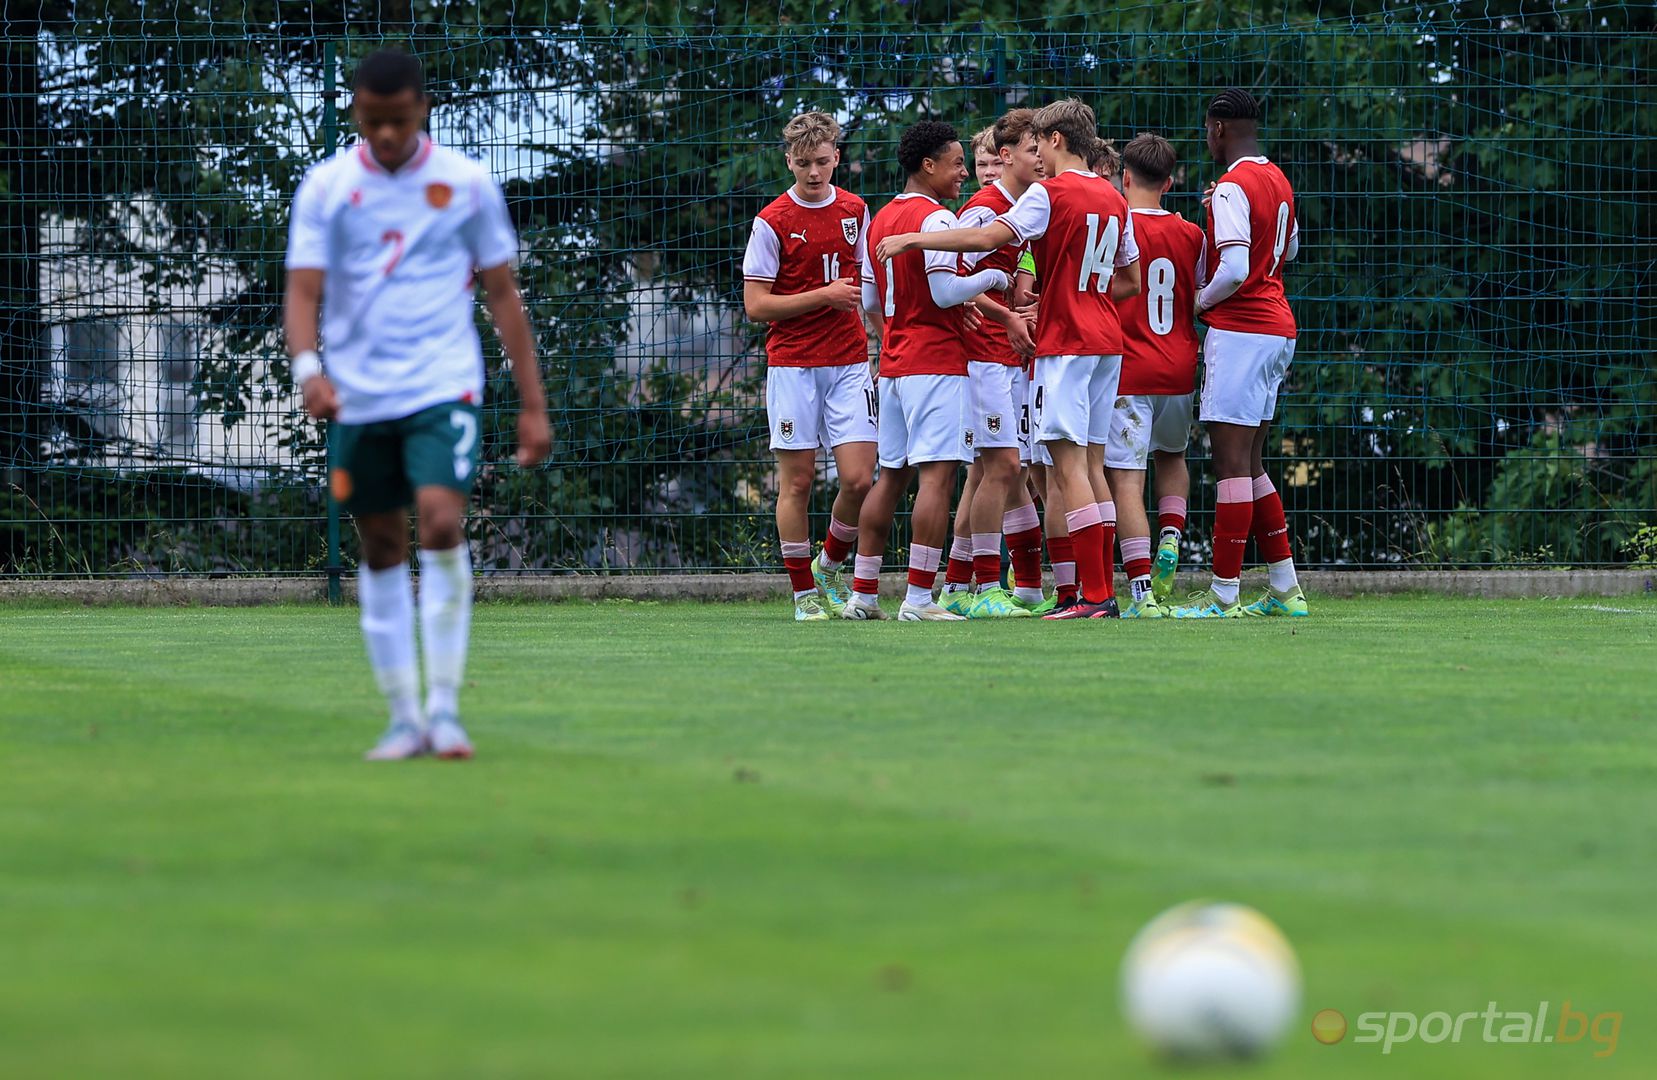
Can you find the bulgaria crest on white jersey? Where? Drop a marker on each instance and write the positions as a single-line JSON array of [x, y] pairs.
[[848, 228]]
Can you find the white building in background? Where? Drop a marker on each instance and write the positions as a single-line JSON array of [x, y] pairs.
[[124, 353]]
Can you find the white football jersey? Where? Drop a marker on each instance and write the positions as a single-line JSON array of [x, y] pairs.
[[399, 252]]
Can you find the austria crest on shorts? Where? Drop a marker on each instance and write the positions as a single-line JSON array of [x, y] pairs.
[[848, 228], [966, 437], [992, 424], [787, 430]]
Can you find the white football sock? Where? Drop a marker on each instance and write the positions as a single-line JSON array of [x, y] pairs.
[[918, 596], [386, 599], [1029, 594], [1140, 587], [1226, 589], [445, 624], [1282, 574]]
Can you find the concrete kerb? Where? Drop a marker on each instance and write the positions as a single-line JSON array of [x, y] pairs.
[[253, 591]]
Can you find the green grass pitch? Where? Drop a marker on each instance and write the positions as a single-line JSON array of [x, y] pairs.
[[703, 841]]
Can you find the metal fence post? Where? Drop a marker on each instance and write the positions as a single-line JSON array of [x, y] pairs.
[[330, 141]]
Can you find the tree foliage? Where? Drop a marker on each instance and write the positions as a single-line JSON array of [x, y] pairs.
[[1472, 383]]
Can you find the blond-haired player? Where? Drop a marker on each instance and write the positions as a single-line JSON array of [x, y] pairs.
[[802, 275]]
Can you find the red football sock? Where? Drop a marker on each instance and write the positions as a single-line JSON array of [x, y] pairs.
[[1136, 556], [1087, 535], [796, 557], [837, 545], [1233, 514], [1061, 553], [1268, 525], [959, 570], [1170, 513]]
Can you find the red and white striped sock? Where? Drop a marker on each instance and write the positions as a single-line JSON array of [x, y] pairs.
[[958, 575], [796, 557], [986, 560], [1233, 514], [1170, 515], [923, 573], [1022, 529], [866, 579], [1270, 528], [837, 545], [1087, 534], [1136, 564], [1062, 554], [1107, 519]]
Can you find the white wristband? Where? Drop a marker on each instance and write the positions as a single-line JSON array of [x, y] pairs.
[[305, 365]]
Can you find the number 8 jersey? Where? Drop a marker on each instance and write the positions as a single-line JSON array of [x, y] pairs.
[[1159, 336], [1253, 205]]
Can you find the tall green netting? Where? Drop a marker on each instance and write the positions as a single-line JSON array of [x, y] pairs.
[[1473, 385]]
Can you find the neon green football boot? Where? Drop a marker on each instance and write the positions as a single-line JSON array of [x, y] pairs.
[[1291, 604], [957, 602], [1206, 605], [1164, 569], [809, 609], [1147, 608], [832, 586], [996, 603], [1034, 607]]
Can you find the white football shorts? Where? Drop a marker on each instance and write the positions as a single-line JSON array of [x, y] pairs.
[[998, 394], [925, 418], [1141, 423], [808, 407], [1073, 398], [1241, 376]]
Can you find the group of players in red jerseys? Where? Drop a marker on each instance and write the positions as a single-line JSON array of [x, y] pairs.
[[1046, 337]]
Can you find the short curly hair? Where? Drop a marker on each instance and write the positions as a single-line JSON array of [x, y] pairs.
[[926, 139]]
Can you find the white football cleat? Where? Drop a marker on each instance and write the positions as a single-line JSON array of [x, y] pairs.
[[448, 739], [860, 612], [928, 612], [399, 743]]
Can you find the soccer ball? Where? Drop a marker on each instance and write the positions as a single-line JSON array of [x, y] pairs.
[[1210, 980]]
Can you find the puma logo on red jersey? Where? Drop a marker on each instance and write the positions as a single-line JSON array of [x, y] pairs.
[[800, 236]]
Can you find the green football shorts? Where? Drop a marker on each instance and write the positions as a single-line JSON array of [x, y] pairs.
[[375, 468]]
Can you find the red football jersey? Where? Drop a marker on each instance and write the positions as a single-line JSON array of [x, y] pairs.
[[1078, 228], [990, 343], [799, 247], [921, 337], [1259, 305], [1159, 337]]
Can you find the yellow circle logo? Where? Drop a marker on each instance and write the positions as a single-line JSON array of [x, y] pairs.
[[1329, 1027]]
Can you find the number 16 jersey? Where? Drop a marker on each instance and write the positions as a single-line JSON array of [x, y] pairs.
[[799, 246]]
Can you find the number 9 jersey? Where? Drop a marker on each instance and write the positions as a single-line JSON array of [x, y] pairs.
[[1253, 205]]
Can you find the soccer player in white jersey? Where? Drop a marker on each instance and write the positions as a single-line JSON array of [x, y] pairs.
[[388, 237]]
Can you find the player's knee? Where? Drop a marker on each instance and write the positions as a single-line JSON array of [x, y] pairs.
[[856, 485], [796, 486]]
